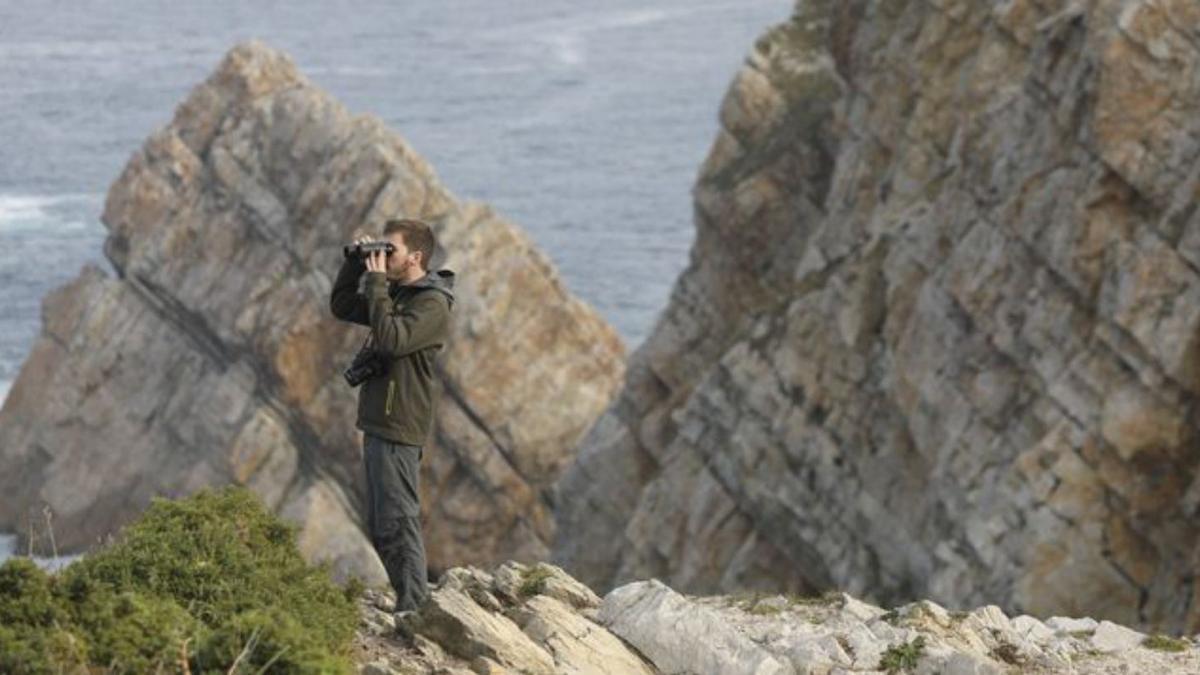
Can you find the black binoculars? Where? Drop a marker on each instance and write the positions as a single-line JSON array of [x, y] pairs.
[[364, 250], [367, 364]]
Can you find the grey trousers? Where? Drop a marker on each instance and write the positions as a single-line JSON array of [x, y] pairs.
[[393, 516]]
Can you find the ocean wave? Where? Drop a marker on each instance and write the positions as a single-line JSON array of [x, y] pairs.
[[567, 42], [568, 48], [632, 18], [75, 49], [637, 17], [587, 23], [567, 39], [8, 543], [24, 212], [564, 42], [350, 71]]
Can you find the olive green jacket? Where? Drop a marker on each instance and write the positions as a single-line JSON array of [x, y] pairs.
[[410, 324]]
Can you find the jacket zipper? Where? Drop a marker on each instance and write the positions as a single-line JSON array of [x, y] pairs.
[[387, 409]]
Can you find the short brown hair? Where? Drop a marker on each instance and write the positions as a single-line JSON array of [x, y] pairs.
[[417, 236]]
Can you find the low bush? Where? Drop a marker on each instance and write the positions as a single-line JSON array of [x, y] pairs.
[[209, 584]]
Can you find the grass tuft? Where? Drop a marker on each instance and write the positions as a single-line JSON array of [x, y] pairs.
[[1008, 653], [1165, 643], [752, 601], [533, 580], [903, 658]]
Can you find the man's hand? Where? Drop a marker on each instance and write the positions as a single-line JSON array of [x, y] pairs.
[[377, 261]]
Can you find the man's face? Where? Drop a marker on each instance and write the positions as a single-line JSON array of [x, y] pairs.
[[401, 260]]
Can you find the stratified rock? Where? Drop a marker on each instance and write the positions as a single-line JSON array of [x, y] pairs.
[[1064, 624], [551, 581], [827, 634], [523, 631], [940, 334], [577, 644], [467, 630], [1110, 637], [212, 357], [680, 636], [646, 627]]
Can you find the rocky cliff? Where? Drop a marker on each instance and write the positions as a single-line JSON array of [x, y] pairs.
[[212, 357], [940, 332], [539, 620]]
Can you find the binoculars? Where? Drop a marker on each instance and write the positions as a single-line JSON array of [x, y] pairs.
[[364, 250], [367, 364]]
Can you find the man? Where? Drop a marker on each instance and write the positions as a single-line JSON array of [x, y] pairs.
[[407, 308]]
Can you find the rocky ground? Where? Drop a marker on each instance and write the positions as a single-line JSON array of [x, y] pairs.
[[538, 619]]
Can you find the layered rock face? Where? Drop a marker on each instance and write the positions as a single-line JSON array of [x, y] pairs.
[[213, 357], [538, 619], [940, 334]]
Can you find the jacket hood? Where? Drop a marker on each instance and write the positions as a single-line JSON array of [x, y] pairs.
[[440, 280]]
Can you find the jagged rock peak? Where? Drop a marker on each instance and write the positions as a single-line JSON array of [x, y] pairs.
[[213, 357]]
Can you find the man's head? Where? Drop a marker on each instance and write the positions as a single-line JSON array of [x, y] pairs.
[[414, 243]]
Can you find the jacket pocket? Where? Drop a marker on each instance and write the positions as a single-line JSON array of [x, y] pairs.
[[387, 408]]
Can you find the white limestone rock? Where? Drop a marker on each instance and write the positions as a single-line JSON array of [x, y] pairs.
[[678, 635], [1111, 638], [1064, 624]]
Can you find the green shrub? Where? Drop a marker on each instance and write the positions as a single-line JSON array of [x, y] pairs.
[[214, 579], [533, 580], [903, 657], [21, 579]]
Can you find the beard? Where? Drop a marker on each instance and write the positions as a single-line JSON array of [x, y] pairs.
[[400, 270]]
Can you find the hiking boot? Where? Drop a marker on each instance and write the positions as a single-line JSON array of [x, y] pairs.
[[405, 622]]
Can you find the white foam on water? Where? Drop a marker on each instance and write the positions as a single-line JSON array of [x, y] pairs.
[[567, 39], [18, 207], [74, 49], [586, 23], [36, 212], [568, 48], [349, 71], [5, 385], [582, 23], [637, 17], [8, 543], [568, 42], [55, 564]]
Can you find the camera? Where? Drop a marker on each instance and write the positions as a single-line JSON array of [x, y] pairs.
[[363, 250], [367, 364]]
